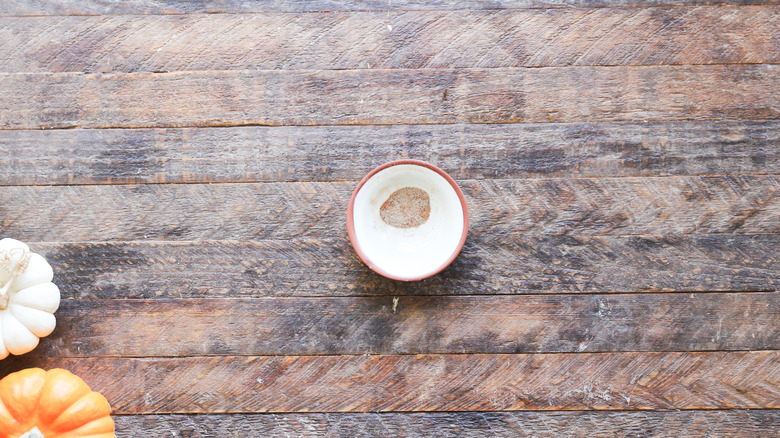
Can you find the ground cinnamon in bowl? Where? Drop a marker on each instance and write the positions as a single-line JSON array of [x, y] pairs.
[[408, 207]]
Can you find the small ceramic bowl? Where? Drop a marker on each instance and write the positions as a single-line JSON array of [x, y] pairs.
[[407, 220]]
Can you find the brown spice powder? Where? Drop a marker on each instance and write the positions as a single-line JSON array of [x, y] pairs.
[[408, 207]]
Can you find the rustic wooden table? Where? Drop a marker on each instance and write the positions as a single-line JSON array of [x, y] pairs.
[[185, 167]]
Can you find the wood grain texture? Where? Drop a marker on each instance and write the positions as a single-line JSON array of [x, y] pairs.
[[415, 325], [621, 165], [588, 206], [416, 39], [135, 7], [672, 424], [357, 97], [365, 383], [326, 153], [499, 265]]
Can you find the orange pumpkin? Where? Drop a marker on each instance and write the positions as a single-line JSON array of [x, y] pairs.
[[52, 404]]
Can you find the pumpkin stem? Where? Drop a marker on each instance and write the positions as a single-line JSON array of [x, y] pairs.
[[16, 263], [34, 433]]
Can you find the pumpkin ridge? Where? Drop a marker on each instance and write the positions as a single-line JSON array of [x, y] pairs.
[[43, 296], [54, 423], [28, 298], [39, 322], [38, 272], [61, 390], [8, 424], [17, 386], [90, 407], [96, 427], [16, 336]]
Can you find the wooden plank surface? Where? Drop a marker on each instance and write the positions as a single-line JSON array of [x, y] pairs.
[[416, 325], [733, 423], [379, 40], [326, 153], [456, 382], [589, 206], [499, 265], [620, 160], [354, 97], [136, 7]]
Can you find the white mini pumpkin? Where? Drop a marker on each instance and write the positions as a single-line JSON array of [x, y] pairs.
[[28, 298]]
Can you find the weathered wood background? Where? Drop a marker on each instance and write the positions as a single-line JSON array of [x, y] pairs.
[[185, 167]]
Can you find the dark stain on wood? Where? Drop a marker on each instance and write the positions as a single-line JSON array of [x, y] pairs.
[[493, 265], [79, 265], [172, 155], [124, 161]]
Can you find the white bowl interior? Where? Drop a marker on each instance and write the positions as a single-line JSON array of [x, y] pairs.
[[408, 252]]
